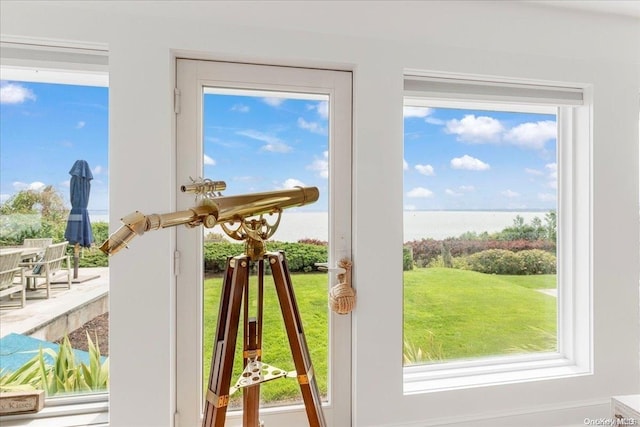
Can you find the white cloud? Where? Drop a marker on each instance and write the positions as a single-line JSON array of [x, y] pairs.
[[273, 102], [476, 129], [553, 175], [97, 170], [292, 182], [434, 121], [321, 165], [11, 93], [410, 207], [80, 124], [469, 163], [313, 127], [405, 165], [66, 184], [547, 197], [460, 190], [425, 170], [323, 109], [35, 185], [277, 147], [533, 171], [532, 135], [4, 197], [240, 108], [244, 178], [416, 111], [208, 160], [510, 194], [553, 170], [273, 143], [420, 192]]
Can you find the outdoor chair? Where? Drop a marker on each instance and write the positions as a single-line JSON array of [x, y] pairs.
[[9, 271], [50, 268], [37, 243]]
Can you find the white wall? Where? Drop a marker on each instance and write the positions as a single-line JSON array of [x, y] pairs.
[[377, 41]]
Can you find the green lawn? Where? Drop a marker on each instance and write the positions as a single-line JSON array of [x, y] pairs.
[[459, 313], [311, 294]]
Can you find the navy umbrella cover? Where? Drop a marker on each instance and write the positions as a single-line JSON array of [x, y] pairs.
[[78, 225]]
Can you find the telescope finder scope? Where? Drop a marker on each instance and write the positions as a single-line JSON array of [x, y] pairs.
[[204, 187]]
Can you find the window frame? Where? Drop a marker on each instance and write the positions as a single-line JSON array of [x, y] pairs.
[[81, 64], [574, 356]]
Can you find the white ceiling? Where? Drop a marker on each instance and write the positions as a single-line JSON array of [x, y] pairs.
[[625, 7]]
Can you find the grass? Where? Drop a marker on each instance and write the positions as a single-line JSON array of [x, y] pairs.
[[467, 314], [448, 313], [311, 294]]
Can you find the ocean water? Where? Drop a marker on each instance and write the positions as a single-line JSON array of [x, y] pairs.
[[417, 224]]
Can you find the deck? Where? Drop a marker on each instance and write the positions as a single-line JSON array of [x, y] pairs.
[[65, 311]]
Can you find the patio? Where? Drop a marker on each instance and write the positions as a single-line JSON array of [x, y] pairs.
[[66, 310]]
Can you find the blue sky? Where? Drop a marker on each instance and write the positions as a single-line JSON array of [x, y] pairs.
[[44, 129], [258, 143], [475, 159], [453, 158]]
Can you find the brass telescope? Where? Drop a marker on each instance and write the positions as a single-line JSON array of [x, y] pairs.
[[213, 210]]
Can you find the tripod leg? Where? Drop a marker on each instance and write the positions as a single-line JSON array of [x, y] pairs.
[[217, 398], [252, 351], [297, 340]]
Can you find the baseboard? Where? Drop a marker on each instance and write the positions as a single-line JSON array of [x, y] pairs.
[[566, 414]]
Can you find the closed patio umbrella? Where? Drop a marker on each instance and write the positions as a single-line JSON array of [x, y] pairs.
[[78, 230]]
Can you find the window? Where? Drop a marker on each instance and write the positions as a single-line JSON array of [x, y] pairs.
[[54, 118], [496, 225]]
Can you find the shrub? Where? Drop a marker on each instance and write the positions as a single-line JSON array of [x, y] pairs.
[[313, 241], [414, 355], [535, 261], [407, 258], [502, 261], [92, 257], [64, 375], [301, 257], [100, 232], [495, 261], [425, 250], [216, 254]]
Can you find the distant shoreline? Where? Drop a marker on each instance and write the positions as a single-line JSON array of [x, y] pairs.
[[423, 224]]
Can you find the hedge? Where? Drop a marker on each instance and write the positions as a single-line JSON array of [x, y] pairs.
[[425, 251], [502, 261], [301, 257]]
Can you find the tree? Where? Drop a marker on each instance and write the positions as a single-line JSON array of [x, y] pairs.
[[551, 225], [45, 210]]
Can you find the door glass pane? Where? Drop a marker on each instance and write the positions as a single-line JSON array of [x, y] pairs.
[[480, 194], [263, 141]]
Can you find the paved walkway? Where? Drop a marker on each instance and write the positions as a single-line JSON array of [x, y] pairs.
[[551, 292], [40, 312]]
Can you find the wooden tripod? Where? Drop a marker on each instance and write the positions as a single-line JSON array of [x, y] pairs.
[[235, 286]]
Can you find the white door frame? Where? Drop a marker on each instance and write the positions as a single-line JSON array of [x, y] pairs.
[[192, 77]]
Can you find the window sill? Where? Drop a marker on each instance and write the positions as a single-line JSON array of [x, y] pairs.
[[459, 375], [88, 410]]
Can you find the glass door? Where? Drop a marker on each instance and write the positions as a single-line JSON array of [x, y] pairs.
[[260, 129]]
